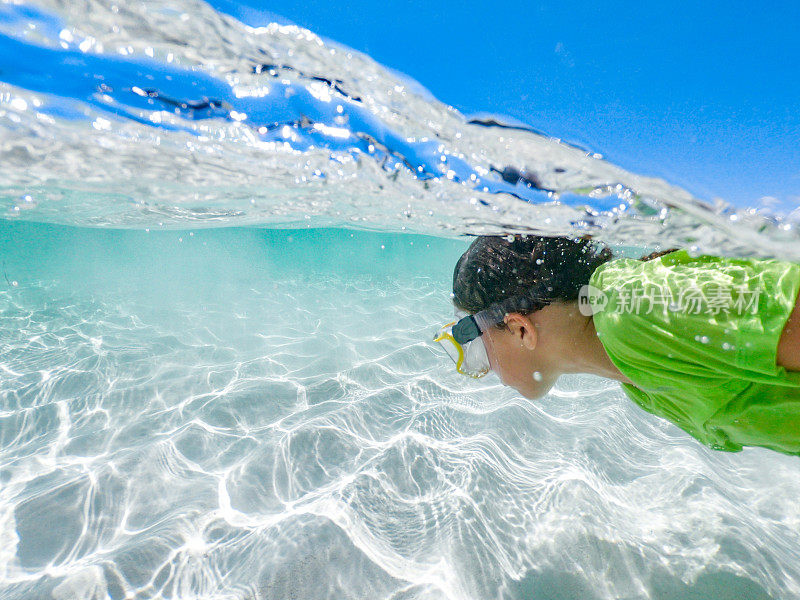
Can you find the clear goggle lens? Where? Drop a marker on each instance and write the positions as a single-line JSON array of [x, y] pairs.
[[471, 359]]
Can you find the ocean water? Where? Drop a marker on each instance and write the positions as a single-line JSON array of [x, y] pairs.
[[224, 252]]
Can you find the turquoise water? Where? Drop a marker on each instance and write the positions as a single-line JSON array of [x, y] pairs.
[[250, 414], [224, 253]]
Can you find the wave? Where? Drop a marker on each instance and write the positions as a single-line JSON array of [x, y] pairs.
[[172, 115]]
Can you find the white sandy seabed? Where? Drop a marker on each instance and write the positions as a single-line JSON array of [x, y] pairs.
[[254, 414]]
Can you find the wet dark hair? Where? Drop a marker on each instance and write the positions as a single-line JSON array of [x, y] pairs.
[[525, 273]]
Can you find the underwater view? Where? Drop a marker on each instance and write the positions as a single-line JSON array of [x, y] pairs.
[[225, 252]]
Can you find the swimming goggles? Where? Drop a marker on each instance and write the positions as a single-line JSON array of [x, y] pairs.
[[463, 342]]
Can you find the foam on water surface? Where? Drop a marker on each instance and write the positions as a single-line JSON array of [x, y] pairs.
[[168, 114]]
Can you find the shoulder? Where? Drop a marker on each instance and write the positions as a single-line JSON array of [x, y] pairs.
[[630, 268], [722, 315], [680, 269]]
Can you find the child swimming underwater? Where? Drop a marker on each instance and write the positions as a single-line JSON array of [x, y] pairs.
[[710, 343]]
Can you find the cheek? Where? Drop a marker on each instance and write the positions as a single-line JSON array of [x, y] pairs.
[[515, 376], [508, 363]]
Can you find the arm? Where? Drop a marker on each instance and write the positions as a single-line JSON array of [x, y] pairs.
[[789, 343]]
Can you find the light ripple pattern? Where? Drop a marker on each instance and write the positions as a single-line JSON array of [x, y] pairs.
[[245, 422]]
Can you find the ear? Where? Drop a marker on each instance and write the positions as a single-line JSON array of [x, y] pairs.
[[522, 329]]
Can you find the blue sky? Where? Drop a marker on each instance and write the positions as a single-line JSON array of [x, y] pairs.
[[705, 97]]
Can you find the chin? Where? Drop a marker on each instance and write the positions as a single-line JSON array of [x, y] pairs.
[[531, 395], [534, 394]]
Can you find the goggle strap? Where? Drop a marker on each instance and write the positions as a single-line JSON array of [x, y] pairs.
[[466, 330]]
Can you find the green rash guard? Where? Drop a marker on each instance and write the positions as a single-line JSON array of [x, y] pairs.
[[698, 338]]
